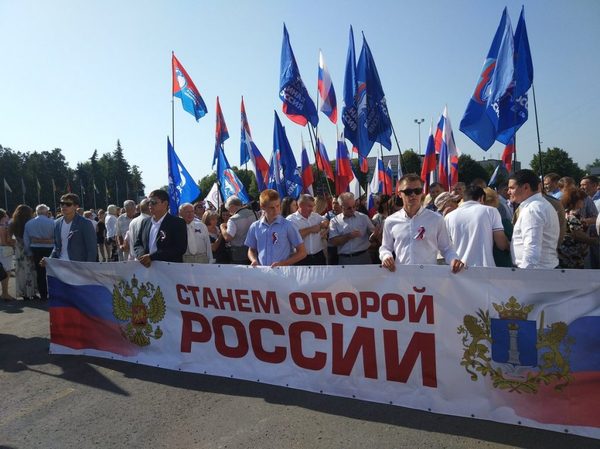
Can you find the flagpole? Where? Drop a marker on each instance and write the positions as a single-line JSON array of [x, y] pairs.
[[397, 145], [172, 108], [38, 189], [82, 194], [94, 185], [537, 128], [5, 197]]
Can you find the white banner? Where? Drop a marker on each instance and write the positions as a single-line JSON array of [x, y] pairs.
[[514, 346]]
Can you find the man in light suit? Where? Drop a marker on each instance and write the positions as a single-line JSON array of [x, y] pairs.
[[74, 236], [162, 236]]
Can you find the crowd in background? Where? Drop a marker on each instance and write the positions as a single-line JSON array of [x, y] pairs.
[[319, 230]]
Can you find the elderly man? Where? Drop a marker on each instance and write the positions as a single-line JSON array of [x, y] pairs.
[[198, 240], [474, 228], [111, 232], [38, 240], [415, 234], [136, 224], [273, 241], [350, 232], [162, 236], [236, 229], [122, 228], [74, 236], [536, 232], [310, 224]]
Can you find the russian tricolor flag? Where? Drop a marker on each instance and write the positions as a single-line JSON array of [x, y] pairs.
[[507, 154], [81, 317], [326, 91], [429, 160], [307, 174], [323, 159], [343, 168], [248, 150]]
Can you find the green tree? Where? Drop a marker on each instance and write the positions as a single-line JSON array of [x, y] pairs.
[[411, 162], [557, 160], [469, 169], [595, 164]]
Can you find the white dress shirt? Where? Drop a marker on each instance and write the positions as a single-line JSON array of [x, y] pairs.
[[312, 242], [416, 240], [535, 235], [198, 239], [154, 233], [111, 226]]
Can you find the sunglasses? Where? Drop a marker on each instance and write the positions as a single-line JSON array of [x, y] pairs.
[[154, 202], [66, 203], [409, 192]]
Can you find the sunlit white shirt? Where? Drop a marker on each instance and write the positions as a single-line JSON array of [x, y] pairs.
[[535, 235], [416, 240]]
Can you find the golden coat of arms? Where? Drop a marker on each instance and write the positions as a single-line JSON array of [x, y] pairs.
[[146, 305], [517, 356]]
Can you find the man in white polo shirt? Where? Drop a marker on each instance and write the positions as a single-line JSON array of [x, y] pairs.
[[474, 228], [310, 224]]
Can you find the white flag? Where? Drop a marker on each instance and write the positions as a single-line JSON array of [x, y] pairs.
[[214, 197], [6, 186]]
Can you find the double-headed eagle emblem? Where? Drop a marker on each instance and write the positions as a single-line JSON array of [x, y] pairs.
[[137, 312]]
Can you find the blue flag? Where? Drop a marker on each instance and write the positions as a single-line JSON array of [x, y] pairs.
[[289, 174], [229, 183], [482, 116], [379, 125], [275, 178], [349, 112], [297, 104], [185, 89], [182, 187], [515, 104]]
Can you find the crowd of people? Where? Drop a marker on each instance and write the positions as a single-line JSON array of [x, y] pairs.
[[526, 223]]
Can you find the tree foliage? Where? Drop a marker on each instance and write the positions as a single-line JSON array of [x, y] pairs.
[[411, 162], [595, 164], [42, 177], [469, 169], [557, 160]]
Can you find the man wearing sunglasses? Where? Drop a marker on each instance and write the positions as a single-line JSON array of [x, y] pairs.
[[415, 234], [162, 236], [74, 235]]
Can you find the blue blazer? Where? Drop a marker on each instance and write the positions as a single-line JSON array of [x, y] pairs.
[[82, 240]]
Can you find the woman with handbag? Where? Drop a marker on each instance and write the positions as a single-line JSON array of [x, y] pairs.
[[6, 253]]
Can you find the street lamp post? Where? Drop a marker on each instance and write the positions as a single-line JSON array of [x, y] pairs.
[[418, 121]]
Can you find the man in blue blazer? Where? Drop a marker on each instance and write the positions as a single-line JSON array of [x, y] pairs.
[[74, 235], [162, 236]]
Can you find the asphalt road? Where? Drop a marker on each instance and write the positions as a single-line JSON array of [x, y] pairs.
[[53, 401]]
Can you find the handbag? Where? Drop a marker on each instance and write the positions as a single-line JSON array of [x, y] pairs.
[[6, 251]]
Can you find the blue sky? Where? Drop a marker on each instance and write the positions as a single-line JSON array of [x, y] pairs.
[[79, 75]]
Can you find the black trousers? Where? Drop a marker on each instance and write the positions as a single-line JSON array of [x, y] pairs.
[[38, 255], [313, 259]]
